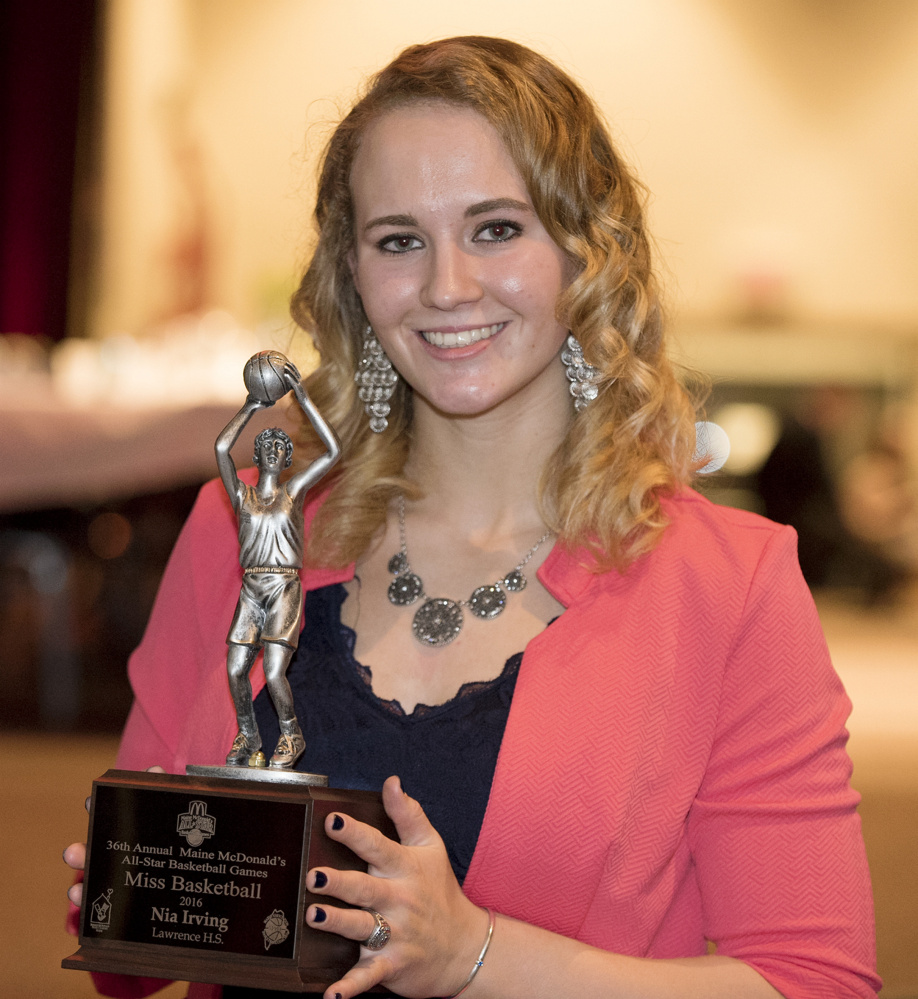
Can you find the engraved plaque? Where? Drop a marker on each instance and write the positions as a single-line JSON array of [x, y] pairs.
[[201, 878]]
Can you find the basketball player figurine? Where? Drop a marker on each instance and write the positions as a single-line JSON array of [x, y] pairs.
[[270, 516]]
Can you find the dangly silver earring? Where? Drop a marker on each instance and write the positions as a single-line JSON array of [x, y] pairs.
[[376, 380], [581, 375]]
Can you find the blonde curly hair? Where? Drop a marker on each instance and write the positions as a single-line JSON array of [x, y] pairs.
[[601, 491]]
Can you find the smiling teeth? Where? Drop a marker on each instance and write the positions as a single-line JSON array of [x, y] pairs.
[[462, 339]]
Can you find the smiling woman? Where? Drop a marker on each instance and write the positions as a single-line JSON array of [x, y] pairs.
[[611, 749], [457, 275], [560, 186]]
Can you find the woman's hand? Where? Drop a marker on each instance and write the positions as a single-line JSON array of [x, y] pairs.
[[436, 931], [75, 855]]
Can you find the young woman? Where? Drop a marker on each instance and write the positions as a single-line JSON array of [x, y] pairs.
[[616, 732]]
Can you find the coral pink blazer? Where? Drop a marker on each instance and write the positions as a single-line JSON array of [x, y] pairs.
[[673, 769]]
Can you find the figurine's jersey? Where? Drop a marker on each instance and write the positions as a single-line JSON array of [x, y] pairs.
[[270, 531]]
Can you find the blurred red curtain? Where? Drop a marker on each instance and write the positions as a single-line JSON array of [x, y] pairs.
[[45, 52]]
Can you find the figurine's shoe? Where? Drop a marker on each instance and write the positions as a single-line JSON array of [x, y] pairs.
[[289, 749], [242, 748]]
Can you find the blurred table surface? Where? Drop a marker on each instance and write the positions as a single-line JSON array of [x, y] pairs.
[[54, 454]]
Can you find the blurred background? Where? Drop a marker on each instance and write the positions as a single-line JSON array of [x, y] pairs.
[[156, 169]]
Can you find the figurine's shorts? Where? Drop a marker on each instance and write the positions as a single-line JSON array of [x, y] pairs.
[[269, 610]]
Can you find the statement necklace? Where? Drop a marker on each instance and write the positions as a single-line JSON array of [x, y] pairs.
[[439, 620]]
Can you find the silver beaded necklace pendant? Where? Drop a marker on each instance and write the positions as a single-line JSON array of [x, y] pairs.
[[438, 621]]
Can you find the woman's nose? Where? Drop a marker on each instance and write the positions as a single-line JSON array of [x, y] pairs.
[[452, 279]]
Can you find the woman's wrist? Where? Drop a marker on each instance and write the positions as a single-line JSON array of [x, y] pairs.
[[476, 967]]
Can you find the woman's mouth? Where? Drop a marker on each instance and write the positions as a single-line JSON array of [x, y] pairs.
[[463, 338]]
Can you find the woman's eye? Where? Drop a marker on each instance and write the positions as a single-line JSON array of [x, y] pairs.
[[498, 232], [399, 243]]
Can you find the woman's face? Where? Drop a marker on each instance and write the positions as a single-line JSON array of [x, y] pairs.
[[457, 275]]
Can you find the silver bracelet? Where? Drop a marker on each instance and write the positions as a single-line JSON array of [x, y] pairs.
[[476, 967]]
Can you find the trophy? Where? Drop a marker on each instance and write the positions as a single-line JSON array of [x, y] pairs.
[[200, 877]]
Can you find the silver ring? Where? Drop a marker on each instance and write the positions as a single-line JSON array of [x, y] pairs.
[[380, 935]]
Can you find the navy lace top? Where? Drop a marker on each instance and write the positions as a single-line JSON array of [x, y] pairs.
[[445, 755]]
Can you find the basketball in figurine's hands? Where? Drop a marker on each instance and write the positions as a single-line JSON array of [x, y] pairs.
[[264, 376]]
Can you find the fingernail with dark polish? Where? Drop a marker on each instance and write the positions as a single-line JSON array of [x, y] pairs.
[[319, 917], [320, 880], [337, 822]]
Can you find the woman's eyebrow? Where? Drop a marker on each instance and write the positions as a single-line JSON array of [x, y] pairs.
[[479, 208], [498, 205], [393, 220]]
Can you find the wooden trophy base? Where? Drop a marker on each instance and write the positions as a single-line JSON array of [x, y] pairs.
[[201, 877]]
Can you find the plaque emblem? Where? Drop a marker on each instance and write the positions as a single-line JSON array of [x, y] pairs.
[[195, 824], [277, 929], [101, 916]]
